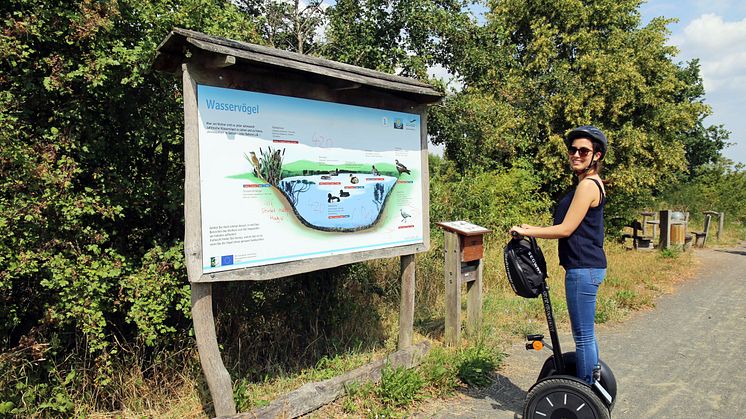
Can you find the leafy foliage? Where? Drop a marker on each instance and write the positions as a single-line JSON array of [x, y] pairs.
[[404, 36], [399, 386], [292, 25], [477, 366], [91, 167], [91, 172], [717, 187], [545, 67], [496, 199]]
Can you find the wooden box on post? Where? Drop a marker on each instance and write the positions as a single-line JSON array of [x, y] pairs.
[[463, 251], [254, 103]]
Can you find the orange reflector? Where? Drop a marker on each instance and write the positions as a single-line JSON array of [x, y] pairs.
[[537, 344]]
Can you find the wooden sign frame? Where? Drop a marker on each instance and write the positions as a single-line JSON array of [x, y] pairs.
[[203, 70], [206, 60]]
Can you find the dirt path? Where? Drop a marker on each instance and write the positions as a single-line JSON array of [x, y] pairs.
[[684, 359]]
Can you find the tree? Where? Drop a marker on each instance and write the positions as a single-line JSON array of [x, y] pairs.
[[547, 66], [395, 36], [91, 162], [292, 25]]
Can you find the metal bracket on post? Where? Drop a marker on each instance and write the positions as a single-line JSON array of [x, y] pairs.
[[464, 250]]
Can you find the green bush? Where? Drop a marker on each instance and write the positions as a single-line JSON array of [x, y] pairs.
[[439, 369], [400, 386], [91, 175], [477, 365], [717, 187], [495, 199]]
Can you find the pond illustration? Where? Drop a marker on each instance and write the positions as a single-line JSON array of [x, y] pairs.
[[343, 202], [345, 198]]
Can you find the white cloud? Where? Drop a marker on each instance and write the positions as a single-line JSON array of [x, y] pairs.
[[721, 47]]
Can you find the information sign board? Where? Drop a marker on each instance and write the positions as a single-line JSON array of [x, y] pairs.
[[285, 179]]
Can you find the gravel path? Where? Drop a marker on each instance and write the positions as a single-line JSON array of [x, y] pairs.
[[684, 359]]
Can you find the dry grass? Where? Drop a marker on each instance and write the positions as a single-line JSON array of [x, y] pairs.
[[634, 280]]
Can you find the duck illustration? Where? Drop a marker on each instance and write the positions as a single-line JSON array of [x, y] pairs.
[[343, 194], [332, 198], [402, 168], [353, 179], [404, 215], [375, 171]]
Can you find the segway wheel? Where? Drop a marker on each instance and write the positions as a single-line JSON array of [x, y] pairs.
[[561, 398]]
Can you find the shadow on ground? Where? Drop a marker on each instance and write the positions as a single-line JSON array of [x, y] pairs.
[[501, 400], [733, 252]]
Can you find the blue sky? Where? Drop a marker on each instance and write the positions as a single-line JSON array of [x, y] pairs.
[[715, 32]]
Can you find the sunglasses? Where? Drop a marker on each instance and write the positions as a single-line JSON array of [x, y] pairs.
[[583, 151]]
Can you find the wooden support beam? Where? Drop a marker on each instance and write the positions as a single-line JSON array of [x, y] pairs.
[[406, 309], [665, 224], [452, 247], [474, 302], [311, 396], [348, 86], [220, 61], [218, 379]]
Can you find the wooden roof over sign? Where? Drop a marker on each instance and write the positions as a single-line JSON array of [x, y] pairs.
[[172, 52]]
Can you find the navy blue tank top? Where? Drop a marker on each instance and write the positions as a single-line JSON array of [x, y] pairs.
[[584, 248]]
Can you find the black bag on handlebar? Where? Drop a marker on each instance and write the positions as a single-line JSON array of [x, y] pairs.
[[525, 266]]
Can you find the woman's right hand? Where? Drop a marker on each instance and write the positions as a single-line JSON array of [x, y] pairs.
[[517, 231]]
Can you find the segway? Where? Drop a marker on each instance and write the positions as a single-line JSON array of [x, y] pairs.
[[557, 393]]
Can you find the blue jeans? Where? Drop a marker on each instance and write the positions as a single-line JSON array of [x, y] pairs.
[[581, 286]]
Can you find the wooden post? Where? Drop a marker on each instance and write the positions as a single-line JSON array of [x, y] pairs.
[[721, 217], [665, 224], [706, 229], [218, 379], [464, 250], [453, 288], [406, 310], [474, 302]]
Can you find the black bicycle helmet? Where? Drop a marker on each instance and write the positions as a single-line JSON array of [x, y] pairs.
[[594, 134]]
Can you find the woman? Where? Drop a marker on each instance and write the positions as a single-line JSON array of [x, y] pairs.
[[579, 226]]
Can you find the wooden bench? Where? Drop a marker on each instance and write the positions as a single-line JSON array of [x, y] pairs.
[[638, 241], [702, 235]]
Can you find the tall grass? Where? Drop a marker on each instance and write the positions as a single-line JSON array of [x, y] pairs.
[[362, 326]]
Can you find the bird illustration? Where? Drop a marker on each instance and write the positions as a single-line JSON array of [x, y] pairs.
[[254, 162], [354, 179], [404, 215], [375, 171], [402, 168]]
